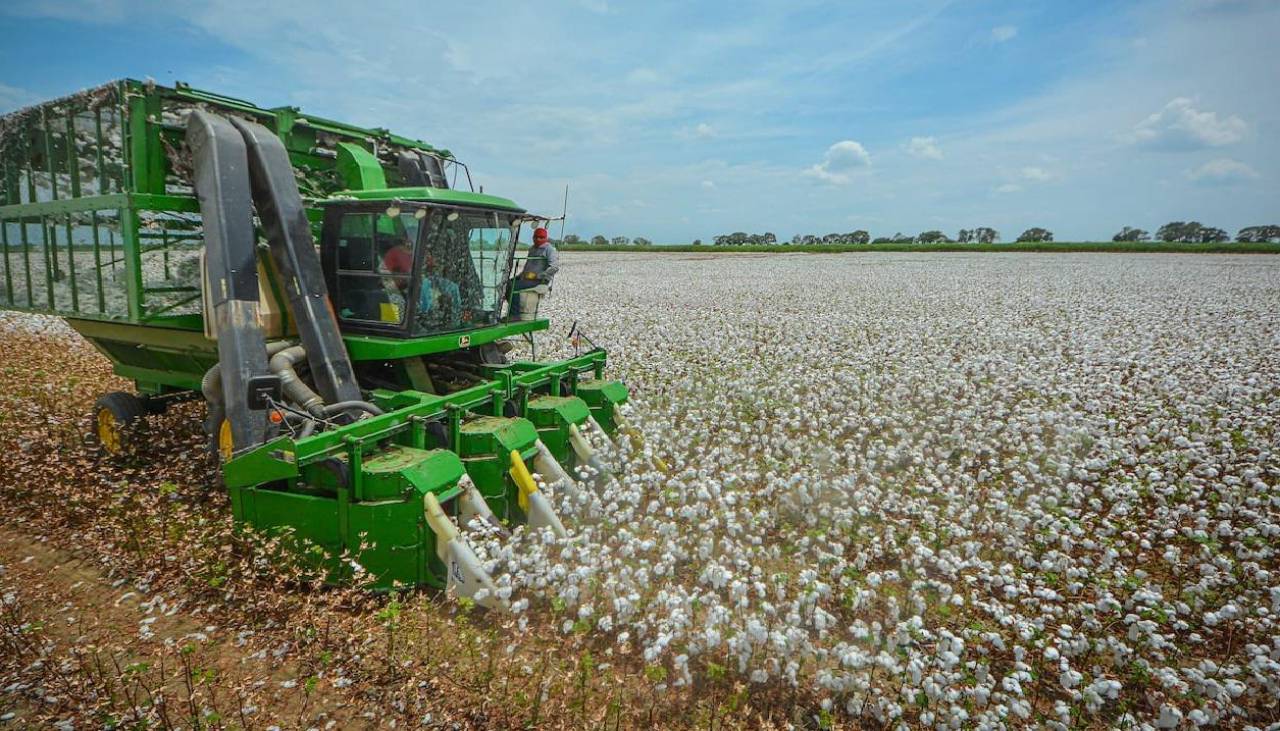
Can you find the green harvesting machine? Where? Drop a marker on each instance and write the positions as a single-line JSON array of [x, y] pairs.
[[334, 297]]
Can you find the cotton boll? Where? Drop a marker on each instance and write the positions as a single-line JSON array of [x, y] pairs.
[[987, 473]]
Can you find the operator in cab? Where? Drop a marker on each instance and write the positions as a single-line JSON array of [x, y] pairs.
[[540, 267], [396, 261], [397, 257]]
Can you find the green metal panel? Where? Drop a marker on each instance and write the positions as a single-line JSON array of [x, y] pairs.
[[396, 470], [552, 416], [264, 467], [174, 356], [309, 522], [485, 445], [390, 541], [434, 195], [601, 396], [183, 333], [385, 534], [372, 347], [359, 169]]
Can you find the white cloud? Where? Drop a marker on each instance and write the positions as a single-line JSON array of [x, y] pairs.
[[704, 131], [1022, 176], [924, 147], [1222, 170], [1180, 125], [841, 159], [602, 111], [707, 184], [1036, 174], [1002, 33]]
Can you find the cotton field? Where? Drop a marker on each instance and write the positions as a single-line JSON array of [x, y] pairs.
[[944, 490], [901, 491]]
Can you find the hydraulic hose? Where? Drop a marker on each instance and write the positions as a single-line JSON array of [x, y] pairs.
[[283, 357], [341, 406], [309, 428]]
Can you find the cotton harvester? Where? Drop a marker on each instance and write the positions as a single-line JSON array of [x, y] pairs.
[[364, 410]]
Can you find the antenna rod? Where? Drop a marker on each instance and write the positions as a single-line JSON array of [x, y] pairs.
[[565, 213]]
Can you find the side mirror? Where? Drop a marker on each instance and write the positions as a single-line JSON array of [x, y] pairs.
[[262, 390]]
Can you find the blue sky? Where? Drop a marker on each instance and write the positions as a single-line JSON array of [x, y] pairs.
[[677, 120]]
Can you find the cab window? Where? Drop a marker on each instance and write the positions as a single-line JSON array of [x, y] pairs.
[[375, 255]]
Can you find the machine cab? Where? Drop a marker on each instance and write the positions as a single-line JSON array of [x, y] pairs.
[[397, 266]]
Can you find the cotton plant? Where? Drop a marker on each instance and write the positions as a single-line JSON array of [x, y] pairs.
[[1001, 497], [1009, 497]]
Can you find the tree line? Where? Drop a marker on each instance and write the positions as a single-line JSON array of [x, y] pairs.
[[602, 241], [1190, 232], [980, 235], [1194, 232], [1187, 232]]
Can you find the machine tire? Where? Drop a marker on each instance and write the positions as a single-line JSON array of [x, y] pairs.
[[155, 406], [117, 417]]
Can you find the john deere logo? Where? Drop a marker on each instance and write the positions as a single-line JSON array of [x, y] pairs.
[[464, 341]]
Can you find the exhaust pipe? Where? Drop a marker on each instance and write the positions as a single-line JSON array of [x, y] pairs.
[[211, 384], [211, 389]]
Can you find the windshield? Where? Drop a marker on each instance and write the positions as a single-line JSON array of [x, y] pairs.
[[465, 267]]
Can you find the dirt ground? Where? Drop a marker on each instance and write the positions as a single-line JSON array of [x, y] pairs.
[[83, 625], [128, 601]]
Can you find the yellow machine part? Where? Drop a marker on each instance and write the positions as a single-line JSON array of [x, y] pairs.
[[524, 480], [109, 432], [226, 444]]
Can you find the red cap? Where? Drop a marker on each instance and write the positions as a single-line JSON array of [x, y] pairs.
[[539, 234]]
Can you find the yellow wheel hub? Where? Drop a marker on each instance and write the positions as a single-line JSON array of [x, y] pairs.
[[226, 445], [109, 434]]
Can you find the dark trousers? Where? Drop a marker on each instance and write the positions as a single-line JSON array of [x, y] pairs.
[[517, 285]]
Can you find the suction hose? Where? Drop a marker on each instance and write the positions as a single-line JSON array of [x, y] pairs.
[[211, 386], [283, 357], [282, 364]]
